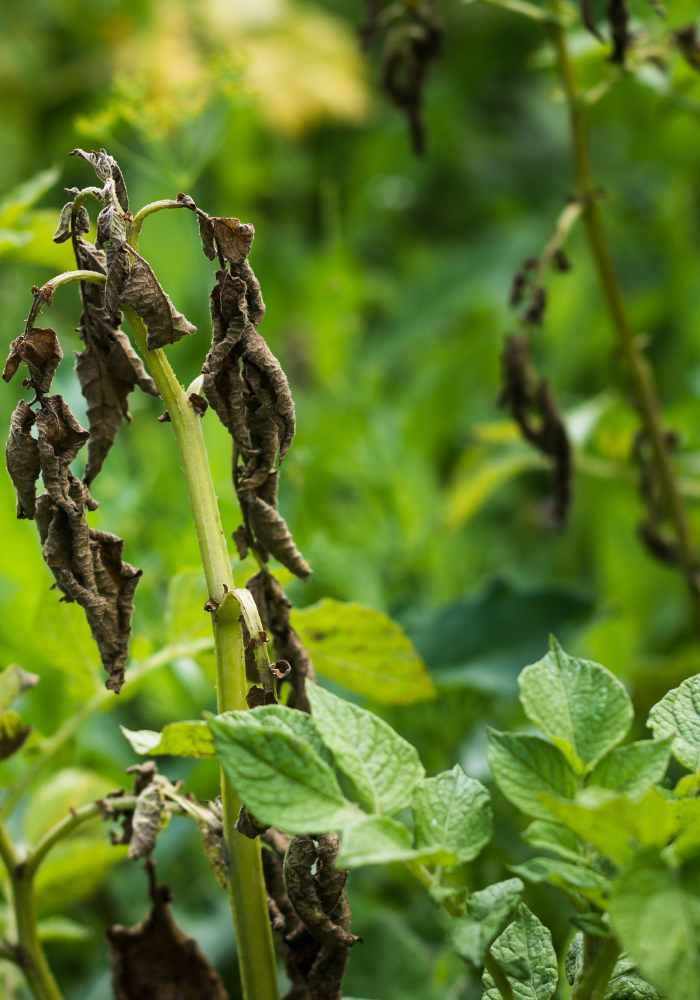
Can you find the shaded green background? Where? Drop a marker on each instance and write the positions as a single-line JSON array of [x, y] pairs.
[[386, 279]]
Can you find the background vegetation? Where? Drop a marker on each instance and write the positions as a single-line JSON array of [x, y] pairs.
[[386, 279]]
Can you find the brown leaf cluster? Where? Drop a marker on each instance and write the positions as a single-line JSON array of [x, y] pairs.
[[617, 16]]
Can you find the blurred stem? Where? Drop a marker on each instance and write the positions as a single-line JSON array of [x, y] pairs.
[[640, 372], [247, 893], [67, 824], [599, 958]]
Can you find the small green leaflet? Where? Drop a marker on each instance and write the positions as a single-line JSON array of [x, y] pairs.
[[525, 954], [364, 651], [487, 913], [627, 984], [655, 911], [376, 840], [555, 838], [576, 878], [582, 707], [178, 739], [382, 766], [279, 776], [452, 815], [527, 769], [678, 715], [633, 768]]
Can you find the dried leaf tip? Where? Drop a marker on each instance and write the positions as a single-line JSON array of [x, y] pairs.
[[107, 169], [41, 351]]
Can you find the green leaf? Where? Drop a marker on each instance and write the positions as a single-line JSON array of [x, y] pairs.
[[363, 650], [677, 715], [486, 914], [526, 769], [617, 825], [376, 840], [452, 814], [582, 707], [297, 723], [13, 733], [633, 768], [555, 838], [21, 198], [279, 776], [574, 877], [525, 954], [655, 911], [62, 929], [13, 681], [627, 984], [178, 739], [382, 766]]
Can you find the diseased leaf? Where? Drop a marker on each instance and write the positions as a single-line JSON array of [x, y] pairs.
[[382, 766], [40, 350], [377, 840], [68, 225], [139, 289], [452, 814], [633, 768], [525, 954], [13, 733], [677, 716], [22, 458], [177, 739], [149, 817], [486, 915], [274, 536], [363, 650], [279, 777], [106, 168], [578, 704], [655, 911], [527, 769]]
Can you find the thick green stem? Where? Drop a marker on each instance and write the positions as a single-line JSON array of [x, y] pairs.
[[641, 375], [247, 892], [599, 960]]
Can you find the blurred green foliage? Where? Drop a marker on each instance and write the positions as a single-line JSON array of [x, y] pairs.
[[386, 279]]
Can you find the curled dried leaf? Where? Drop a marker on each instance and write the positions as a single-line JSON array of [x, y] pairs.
[[139, 289], [71, 223], [22, 457], [41, 351], [107, 169], [149, 817], [274, 537]]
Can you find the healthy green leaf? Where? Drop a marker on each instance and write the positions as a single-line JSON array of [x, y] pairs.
[[582, 707], [655, 911], [452, 814], [279, 776], [555, 838], [633, 768], [382, 766], [525, 954], [177, 739], [526, 769], [297, 723], [627, 984], [578, 878], [376, 840], [617, 825], [364, 651], [486, 915], [677, 715]]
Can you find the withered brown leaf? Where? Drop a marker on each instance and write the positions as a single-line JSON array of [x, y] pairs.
[[22, 458], [41, 351], [156, 959], [147, 821], [140, 290], [68, 225], [273, 535], [106, 168]]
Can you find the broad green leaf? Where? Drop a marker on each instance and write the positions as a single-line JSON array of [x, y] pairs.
[[486, 915], [525, 954], [655, 911], [177, 739], [13, 681], [364, 651], [677, 715], [582, 707], [452, 814], [382, 766], [376, 840], [13, 733], [577, 878], [279, 776], [555, 838], [526, 769], [633, 768], [56, 797], [619, 826], [297, 723]]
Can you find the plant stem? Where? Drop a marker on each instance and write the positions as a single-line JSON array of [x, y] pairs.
[[642, 377], [248, 897], [67, 824], [599, 961]]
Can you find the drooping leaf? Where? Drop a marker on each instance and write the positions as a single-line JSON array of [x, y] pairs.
[[149, 817], [452, 814], [525, 955], [655, 911], [364, 651], [40, 350], [383, 767], [526, 769], [138, 288], [22, 458], [633, 768], [106, 168], [486, 915], [582, 707], [279, 777], [677, 716], [177, 739]]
